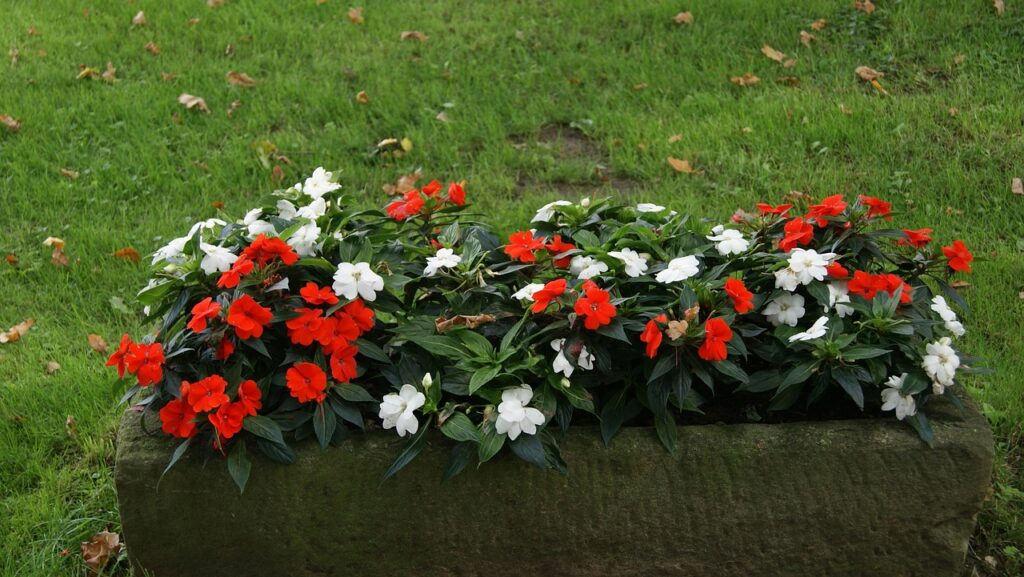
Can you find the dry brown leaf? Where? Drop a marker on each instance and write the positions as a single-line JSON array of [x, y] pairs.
[[128, 253], [191, 102], [683, 18], [676, 329], [1000, 6], [217, 205], [414, 35], [10, 122], [442, 117], [152, 48], [747, 79], [15, 333], [355, 15], [240, 79], [772, 53], [51, 367], [789, 63], [12, 259], [235, 104], [960, 284], [746, 130], [806, 38], [87, 72], [14, 53], [640, 86], [168, 76], [192, 22], [277, 174], [866, 6], [819, 24], [229, 50], [214, 3], [97, 344], [1020, 295], [67, 172], [404, 184], [32, 31], [790, 81], [868, 74], [680, 165], [953, 111], [845, 109], [110, 74], [100, 549], [58, 258], [675, 138], [1017, 186], [469, 321], [362, 97], [71, 427], [139, 19], [959, 59]]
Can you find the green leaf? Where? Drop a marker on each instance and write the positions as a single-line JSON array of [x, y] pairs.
[[461, 455], [354, 393], [491, 443], [239, 465], [847, 379], [264, 427], [665, 425], [459, 427], [798, 374], [511, 335], [762, 381], [346, 411], [475, 342], [859, 352], [613, 414], [277, 452], [411, 450], [665, 363], [530, 449], [614, 330], [372, 351], [257, 345], [441, 345], [586, 239], [324, 422], [482, 376], [924, 429], [176, 455], [730, 369]]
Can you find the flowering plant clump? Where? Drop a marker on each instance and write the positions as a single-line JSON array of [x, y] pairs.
[[310, 318]]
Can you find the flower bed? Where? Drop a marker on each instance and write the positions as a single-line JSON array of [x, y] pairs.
[[311, 318]]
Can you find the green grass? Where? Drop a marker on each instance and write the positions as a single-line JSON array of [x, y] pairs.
[[501, 72]]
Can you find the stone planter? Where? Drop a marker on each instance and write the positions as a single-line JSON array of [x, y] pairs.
[[840, 498]]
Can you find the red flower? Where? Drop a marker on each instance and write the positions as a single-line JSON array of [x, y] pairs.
[[249, 396], [343, 363], [431, 188], [317, 295], [521, 246], [360, 313], [119, 358], [550, 292], [206, 394], [225, 348], [336, 332], [558, 246], [406, 207], [739, 295], [716, 334], [877, 207], [868, 285], [264, 249], [798, 232], [595, 308], [831, 206], [836, 270], [916, 238], [228, 419], [779, 210], [303, 329], [248, 317], [204, 309], [146, 362], [456, 194], [890, 283], [652, 335], [307, 382], [231, 278], [176, 418], [959, 257]]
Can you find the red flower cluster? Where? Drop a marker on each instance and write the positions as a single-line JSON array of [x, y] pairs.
[[739, 295], [230, 278], [248, 317], [652, 335], [414, 201], [716, 334], [307, 382], [204, 310], [831, 206], [779, 210], [797, 232], [595, 306], [959, 257], [144, 361], [522, 244], [916, 238], [558, 246], [550, 292], [877, 207], [209, 396], [868, 285], [265, 249]]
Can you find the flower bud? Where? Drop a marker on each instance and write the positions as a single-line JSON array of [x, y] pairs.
[[585, 201], [565, 382], [427, 381]]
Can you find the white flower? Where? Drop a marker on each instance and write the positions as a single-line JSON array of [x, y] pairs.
[[635, 263], [808, 265], [252, 216], [305, 238], [313, 210], [947, 314], [396, 410], [207, 224], [172, 252], [728, 241], [352, 279], [281, 285], [786, 279], [786, 309], [892, 398], [319, 184], [285, 209], [940, 363], [679, 269], [561, 363], [445, 258], [649, 207], [217, 259], [255, 225], [817, 330], [547, 212], [585, 202], [526, 293], [514, 417], [586, 266], [838, 295]]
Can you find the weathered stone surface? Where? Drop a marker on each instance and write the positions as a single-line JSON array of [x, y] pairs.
[[845, 498]]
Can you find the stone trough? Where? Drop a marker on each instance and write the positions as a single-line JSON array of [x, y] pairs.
[[857, 498]]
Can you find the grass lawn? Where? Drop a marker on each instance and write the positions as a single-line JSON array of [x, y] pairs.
[[543, 100]]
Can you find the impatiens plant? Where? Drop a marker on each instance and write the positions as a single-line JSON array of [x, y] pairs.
[[312, 318]]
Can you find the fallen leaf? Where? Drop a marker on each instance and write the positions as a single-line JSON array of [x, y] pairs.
[[15, 333], [362, 97], [100, 549], [772, 53], [14, 53], [9, 121], [806, 38], [683, 18], [87, 72], [235, 104], [789, 63], [404, 184], [229, 50], [1020, 295], [217, 205], [110, 74], [1000, 6], [868, 74], [32, 31], [58, 258], [277, 174], [746, 130], [866, 6], [675, 138], [845, 109], [71, 427], [97, 344], [192, 22], [442, 117], [139, 19], [640, 86], [355, 15], [12, 259], [214, 3], [1017, 186], [953, 111], [747, 79], [51, 367], [127, 253], [819, 24], [960, 284], [959, 59], [191, 102], [152, 48], [679, 165], [414, 35], [240, 79], [72, 174], [469, 321], [406, 144], [789, 80]]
